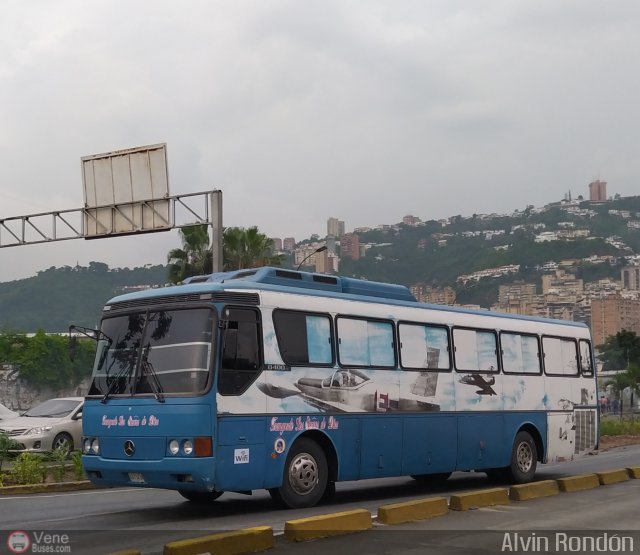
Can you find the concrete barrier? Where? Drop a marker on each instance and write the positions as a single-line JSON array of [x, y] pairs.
[[410, 511], [634, 472], [248, 540], [578, 483], [322, 526], [47, 488], [612, 476], [482, 498], [544, 488]]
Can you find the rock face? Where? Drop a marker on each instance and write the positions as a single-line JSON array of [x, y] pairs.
[[16, 394]]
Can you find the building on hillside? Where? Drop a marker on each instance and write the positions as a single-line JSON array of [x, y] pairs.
[[562, 281], [411, 220], [326, 262], [350, 246], [335, 227], [630, 277], [516, 298], [598, 191], [611, 315], [435, 295]]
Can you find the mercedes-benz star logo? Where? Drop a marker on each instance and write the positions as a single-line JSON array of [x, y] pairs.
[[129, 448]]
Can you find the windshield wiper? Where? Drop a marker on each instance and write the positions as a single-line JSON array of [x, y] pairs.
[[123, 373], [154, 382]]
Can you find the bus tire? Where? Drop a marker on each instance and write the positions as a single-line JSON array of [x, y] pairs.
[[305, 478], [524, 458], [432, 478], [200, 497]]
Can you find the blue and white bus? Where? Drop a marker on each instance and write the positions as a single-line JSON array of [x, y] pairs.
[[292, 381]]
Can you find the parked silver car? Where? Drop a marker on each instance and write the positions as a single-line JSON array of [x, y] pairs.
[[53, 424], [6, 414]]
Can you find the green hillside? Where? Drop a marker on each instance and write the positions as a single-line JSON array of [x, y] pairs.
[[58, 297]]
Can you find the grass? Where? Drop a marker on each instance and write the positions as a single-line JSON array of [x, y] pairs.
[[619, 427]]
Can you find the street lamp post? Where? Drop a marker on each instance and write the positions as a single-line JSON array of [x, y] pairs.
[[319, 249]]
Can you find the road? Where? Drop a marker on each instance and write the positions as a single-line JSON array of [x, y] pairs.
[[147, 519]]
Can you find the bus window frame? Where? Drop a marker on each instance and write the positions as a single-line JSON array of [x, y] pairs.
[[492, 331], [332, 337], [574, 340], [538, 342], [260, 336], [590, 373], [366, 319], [424, 325]]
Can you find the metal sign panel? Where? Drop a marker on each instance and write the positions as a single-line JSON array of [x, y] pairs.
[[126, 191]]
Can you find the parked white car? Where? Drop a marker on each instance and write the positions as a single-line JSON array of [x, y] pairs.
[[6, 414], [53, 424]]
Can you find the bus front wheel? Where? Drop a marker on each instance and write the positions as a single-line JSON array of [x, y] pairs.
[[524, 457], [200, 497], [305, 476]]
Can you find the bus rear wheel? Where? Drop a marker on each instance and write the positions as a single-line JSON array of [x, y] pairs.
[[305, 476], [524, 458], [200, 497]]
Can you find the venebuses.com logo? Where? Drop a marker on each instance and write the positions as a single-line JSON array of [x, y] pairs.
[[18, 542]]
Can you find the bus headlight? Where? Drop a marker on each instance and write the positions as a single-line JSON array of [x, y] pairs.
[[95, 446], [174, 447], [187, 447], [86, 445]]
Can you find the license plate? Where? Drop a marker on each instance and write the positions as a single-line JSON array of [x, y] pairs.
[[136, 478]]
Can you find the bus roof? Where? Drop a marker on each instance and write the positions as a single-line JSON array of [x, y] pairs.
[[307, 283]]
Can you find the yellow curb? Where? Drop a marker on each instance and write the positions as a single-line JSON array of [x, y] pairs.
[[421, 509], [248, 540], [544, 488], [482, 498], [634, 472], [612, 476], [45, 488], [322, 526], [578, 483]]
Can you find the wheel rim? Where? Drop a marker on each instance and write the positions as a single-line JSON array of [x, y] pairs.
[[524, 457], [303, 473], [61, 443]]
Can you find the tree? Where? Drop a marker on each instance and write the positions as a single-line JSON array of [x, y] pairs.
[[242, 248], [620, 350], [248, 248], [195, 256]]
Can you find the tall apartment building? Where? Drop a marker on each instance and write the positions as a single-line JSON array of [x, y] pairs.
[[597, 191], [288, 244], [562, 281], [610, 315], [630, 277], [350, 246], [277, 244], [335, 227]]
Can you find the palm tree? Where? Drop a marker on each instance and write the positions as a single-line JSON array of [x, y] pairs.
[[195, 256], [243, 248], [248, 248]]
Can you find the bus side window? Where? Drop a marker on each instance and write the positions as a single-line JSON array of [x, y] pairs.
[[240, 362], [586, 364]]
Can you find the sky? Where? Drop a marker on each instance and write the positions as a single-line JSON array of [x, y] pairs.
[[303, 110]]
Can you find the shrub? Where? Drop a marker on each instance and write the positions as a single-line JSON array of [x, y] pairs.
[[59, 457], [6, 446], [28, 468], [78, 469], [619, 427]]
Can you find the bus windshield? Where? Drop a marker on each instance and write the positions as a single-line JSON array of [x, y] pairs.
[[154, 352]]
